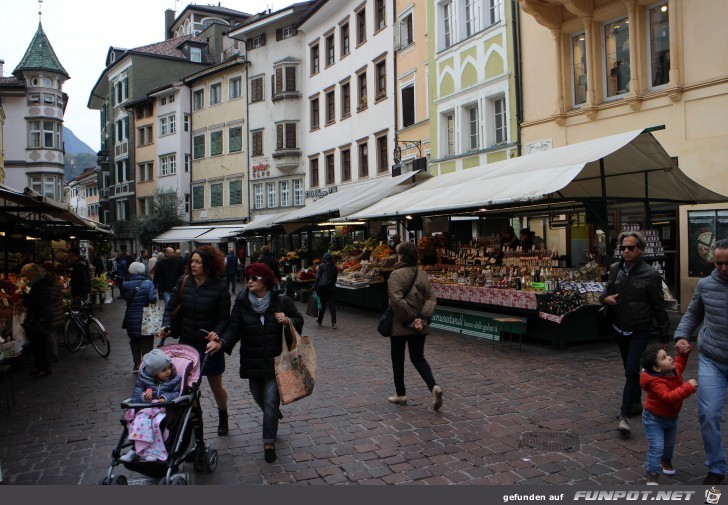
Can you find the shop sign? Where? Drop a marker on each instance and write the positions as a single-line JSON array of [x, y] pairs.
[[470, 322], [320, 192]]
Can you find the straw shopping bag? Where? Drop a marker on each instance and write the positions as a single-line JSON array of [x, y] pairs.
[[295, 367]]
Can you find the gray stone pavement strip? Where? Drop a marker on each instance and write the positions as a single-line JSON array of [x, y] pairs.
[[63, 427]]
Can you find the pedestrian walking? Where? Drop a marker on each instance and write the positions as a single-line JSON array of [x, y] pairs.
[[152, 262], [662, 380], [80, 277], [708, 306], [259, 313], [204, 313], [634, 297], [231, 271], [413, 303], [38, 316], [166, 273], [269, 259], [325, 287], [138, 291]]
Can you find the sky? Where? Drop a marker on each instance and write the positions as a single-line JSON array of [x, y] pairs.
[[81, 32]]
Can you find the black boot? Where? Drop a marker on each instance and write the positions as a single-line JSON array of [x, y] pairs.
[[222, 427]]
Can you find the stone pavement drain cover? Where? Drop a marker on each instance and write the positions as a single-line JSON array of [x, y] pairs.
[[550, 441]]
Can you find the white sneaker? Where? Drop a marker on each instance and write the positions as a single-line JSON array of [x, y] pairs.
[[129, 456], [398, 399]]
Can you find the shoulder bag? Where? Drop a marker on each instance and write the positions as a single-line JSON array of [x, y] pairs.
[[386, 321]]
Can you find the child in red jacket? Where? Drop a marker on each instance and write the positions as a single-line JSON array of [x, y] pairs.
[[662, 379]]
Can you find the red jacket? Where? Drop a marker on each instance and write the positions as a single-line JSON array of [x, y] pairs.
[[666, 392]]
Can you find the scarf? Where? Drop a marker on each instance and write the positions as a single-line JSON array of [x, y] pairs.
[[260, 305]]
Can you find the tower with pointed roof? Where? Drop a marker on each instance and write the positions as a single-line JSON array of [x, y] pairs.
[[34, 104]]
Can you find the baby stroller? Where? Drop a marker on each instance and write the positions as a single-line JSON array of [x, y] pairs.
[[183, 420]]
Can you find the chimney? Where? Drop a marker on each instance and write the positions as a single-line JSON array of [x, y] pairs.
[[168, 22], [2, 62]]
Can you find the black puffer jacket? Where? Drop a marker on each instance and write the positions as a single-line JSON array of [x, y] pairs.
[[259, 343], [38, 302], [205, 307]]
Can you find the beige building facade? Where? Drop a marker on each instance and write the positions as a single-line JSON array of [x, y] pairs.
[[596, 68], [145, 147]]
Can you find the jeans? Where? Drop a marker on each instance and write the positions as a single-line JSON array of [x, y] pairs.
[[166, 295], [660, 433], [417, 357], [713, 381], [631, 347], [232, 279], [265, 394], [139, 347]]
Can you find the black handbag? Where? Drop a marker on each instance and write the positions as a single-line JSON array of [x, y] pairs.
[[605, 320], [386, 320]]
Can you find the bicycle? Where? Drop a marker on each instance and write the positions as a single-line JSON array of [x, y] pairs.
[[82, 328]]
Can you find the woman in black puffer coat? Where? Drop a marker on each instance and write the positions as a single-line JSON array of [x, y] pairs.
[[204, 316], [138, 291], [38, 316], [259, 312]]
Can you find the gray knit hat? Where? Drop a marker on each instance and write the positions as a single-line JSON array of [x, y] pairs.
[[155, 361]]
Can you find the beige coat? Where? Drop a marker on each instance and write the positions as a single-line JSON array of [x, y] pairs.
[[420, 302]]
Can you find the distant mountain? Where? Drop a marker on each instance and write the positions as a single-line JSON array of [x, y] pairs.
[[79, 156], [74, 145]]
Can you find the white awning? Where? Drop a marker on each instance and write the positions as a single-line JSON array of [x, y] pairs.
[[636, 167], [221, 233], [181, 234], [265, 221], [355, 197]]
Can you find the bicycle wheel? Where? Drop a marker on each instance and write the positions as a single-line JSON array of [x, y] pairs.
[[72, 335], [99, 337]]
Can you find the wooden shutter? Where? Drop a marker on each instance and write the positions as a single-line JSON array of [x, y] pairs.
[[279, 34], [279, 80], [290, 135], [408, 106], [262, 39], [279, 136], [257, 143], [290, 78]]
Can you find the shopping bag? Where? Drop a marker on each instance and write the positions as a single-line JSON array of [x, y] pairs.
[[317, 298], [386, 320], [152, 319], [295, 368], [312, 308], [18, 328]]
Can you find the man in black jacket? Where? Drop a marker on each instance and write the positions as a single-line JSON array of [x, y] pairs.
[[634, 296], [80, 277], [270, 260], [166, 273]]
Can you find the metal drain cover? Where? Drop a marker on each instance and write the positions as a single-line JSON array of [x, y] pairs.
[[550, 441]]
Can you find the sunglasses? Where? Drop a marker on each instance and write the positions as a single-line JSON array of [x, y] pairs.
[[627, 247], [721, 263], [253, 278]]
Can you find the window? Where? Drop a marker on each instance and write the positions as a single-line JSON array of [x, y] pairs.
[[235, 192], [36, 184], [382, 160], [298, 192], [256, 89], [257, 42], [257, 141], [499, 115], [215, 93], [49, 134], [235, 139], [163, 127], [408, 106], [345, 165], [344, 32], [195, 54], [146, 171], [314, 59], [314, 170], [122, 171], [450, 133], [494, 8], [285, 190], [235, 88], [188, 163], [616, 57], [216, 143], [144, 135], [168, 165], [258, 192], [363, 160], [33, 98], [171, 98], [121, 89], [330, 170], [473, 128], [286, 136], [406, 32], [49, 99], [187, 202], [345, 100], [198, 197], [198, 147], [578, 64], [272, 195], [49, 187], [285, 33], [659, 48], [381, 79], [362, 81], [122, 130], [216, 194], [330, 107], [381, 15], [198, 99], [448, 24], [284, 85], [330, 57], [361, 26], [186, 122], [145, 206], [163, 100], [122, 210], [314, 113], [472, 17], [34, 127]]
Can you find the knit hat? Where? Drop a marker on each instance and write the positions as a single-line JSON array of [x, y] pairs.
[[155, 361]]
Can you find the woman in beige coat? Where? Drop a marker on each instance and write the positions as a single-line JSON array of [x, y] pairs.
[[413, 309]]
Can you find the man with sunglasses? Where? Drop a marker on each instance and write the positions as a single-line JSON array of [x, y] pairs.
[[708, 306], [634, 296]]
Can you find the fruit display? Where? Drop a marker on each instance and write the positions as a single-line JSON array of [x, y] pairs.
[[361, 263], [100, 283]]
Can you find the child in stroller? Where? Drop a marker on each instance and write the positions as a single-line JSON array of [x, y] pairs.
[[183, 420], [157, 382]]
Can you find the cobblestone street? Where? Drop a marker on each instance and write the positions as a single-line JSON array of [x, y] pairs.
[[62, 428]]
